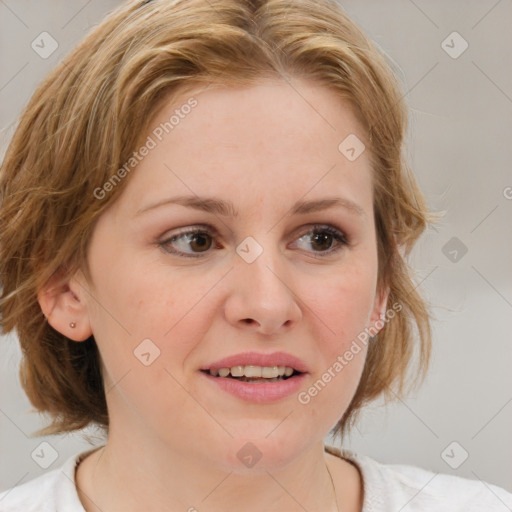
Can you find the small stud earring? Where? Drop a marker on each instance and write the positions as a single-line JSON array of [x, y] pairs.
[[72, 325]]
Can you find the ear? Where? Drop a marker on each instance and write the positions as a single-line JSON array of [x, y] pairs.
[[62, 300], [378, 313]]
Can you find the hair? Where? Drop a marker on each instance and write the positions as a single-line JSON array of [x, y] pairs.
[[85, 121]]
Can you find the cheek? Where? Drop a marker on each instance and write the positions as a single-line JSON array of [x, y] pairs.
[[344, 301], [141, 299], [342, 313], [342, 309]]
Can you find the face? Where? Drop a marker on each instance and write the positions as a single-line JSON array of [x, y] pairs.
[[268, 257]]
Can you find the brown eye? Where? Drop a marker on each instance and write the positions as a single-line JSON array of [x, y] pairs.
[[323, 240], [190, 243], [200, 242]]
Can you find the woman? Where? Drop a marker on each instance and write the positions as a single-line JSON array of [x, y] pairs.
[[205, 221]]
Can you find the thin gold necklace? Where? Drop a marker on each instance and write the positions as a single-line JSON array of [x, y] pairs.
[[326, 467], [333, 488]]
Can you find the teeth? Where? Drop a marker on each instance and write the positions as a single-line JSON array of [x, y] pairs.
[[237, 371], [252, 371], [270, 372], [266, 372], [223, 372]]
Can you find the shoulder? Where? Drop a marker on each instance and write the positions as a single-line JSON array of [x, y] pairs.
[[407, 488], [55, 490]]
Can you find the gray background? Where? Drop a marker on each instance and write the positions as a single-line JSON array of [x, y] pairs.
[[460, 149]]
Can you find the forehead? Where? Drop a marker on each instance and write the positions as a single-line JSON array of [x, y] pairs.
[[261, 141]]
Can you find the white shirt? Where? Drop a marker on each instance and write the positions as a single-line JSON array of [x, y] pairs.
[[387, 488]]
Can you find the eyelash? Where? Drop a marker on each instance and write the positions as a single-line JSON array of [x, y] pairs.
[[316, 229]]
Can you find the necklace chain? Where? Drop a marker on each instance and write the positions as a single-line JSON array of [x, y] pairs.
[[333, 488], [326, 467]]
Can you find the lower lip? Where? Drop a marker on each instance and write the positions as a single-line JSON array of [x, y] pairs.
[[258, 392]]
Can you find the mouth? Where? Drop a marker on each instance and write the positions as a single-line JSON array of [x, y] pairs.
[[254, 374], [257, 377]]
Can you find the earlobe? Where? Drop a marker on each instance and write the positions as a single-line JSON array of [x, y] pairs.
[[378, 314], [63, 304]]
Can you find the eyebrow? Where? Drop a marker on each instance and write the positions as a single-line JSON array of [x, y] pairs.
[[227, 208]]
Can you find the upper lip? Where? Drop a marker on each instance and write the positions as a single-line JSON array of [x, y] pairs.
[[259, 359]]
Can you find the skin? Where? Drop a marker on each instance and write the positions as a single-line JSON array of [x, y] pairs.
[[174, 437]]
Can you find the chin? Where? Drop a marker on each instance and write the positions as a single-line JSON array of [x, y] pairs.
[[259, 454]]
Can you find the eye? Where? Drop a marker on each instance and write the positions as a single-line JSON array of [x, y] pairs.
[[324, 240], [190, 243]]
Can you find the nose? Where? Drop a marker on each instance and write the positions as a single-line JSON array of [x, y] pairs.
[[261, 298]]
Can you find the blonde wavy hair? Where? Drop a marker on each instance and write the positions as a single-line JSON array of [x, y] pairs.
[[86, 119]]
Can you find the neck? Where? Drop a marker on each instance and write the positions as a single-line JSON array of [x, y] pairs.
[[148, 476]]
